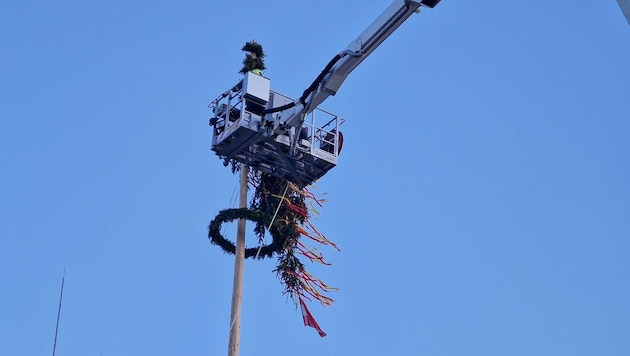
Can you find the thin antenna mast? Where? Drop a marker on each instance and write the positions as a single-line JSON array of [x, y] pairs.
[[59, 310]]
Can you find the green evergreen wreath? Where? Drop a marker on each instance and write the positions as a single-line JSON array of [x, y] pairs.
[[214, 232]]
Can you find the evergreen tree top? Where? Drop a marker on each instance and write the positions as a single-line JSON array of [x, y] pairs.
[[253, 57]]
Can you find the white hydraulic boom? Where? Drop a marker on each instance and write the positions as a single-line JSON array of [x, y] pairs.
[[278, 135], [336, 72]]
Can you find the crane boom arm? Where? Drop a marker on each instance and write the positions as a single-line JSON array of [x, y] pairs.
[[335, 73]]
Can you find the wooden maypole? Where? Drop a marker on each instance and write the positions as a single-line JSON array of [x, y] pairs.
[[253, 61], [239, 259]]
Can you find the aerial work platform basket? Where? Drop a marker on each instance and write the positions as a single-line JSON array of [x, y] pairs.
[[243, 132]]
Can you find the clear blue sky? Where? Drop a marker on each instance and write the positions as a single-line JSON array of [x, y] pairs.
[[481, 203]]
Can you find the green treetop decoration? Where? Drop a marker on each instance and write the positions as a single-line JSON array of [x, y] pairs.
[[254, 58]]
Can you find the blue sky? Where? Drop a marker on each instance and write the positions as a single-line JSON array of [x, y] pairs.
[[481, 202]]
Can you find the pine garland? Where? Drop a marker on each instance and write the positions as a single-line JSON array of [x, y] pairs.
[[286, 204]]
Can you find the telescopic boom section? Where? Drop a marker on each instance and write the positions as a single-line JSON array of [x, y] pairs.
[[359, 49], [332, 77]]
